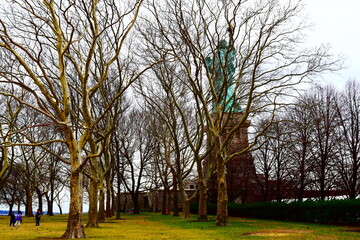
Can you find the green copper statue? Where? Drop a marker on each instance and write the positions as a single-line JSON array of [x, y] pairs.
[[224, 81]]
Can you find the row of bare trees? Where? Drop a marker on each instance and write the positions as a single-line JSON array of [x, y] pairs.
[[70, 62], [289, 155], [32, 172], [313, 146]]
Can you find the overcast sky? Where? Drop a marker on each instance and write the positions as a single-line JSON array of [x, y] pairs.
[[337, 23]]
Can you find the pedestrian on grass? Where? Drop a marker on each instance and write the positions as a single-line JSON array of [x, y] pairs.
[[37, 217], [12, 219], [18, 219]]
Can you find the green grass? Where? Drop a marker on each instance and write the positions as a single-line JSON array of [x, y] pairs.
[[155, 226]]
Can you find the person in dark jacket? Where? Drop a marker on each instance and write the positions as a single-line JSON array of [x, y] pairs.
[[12, 219], [37, 217]]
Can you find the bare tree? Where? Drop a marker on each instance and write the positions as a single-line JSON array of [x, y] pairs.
[[118, 172], [56, 177], [261, 60], [300, 143], [179, 130], [8, 127], [348, 109], [136, 148], [12, 192], [273, 160], [325, 122]]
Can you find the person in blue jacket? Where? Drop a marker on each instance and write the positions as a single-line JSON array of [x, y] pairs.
[[18, 219]]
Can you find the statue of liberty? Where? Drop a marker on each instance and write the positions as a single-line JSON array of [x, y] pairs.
[[223, 67]]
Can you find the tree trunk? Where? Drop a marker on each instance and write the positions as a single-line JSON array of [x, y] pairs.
[[113, 201], [118, 199], [322, 179], [109, 212], [49, 205], [354, 179], [168, 207], [50, 199], [266, 188], [302, 180], [59, 206], [156, 200], [40, 202], [29, 209], [186, 208], [125, 203], [278, 190], [10, 209], [75, 228], [164, 203], [19, 205], [175, 196], [118, 205], [135, 199], [101, 214], [93, 204], [118, 186], [222, 218], [203, 217]]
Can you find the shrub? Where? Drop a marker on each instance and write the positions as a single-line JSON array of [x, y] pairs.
[[333, 211]]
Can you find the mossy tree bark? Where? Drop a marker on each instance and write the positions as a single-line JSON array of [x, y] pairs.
[[222, 218], [118, 175], [186, 209], [135, 198], [175, 195], [202, 215], [101, 213], [75, 227], [29, 202], [164, 202], [93, 204], [109, 198]]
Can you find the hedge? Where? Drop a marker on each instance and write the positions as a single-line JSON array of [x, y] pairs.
[[330, 212]]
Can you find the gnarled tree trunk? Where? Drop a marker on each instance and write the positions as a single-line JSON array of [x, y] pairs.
[[203, 217], [75, 228], [222, 218], [175, 196], [109, 194], [93, 204], [101, 213]]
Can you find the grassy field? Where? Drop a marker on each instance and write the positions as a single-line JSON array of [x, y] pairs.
[[155, 226]]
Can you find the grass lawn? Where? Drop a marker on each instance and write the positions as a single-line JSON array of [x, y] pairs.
[[155, 226]]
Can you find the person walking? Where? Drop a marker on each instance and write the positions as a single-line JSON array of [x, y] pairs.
[[12, 219], [37, 217], [18, 219]]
